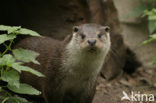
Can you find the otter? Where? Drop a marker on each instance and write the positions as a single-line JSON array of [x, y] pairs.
[[71, 66]]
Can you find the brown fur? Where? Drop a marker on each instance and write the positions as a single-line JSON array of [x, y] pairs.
[[54, 64], [49, 53]]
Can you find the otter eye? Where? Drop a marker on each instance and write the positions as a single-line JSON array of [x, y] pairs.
[[107, 29], [99, 35], [75, 28], [83, 36]]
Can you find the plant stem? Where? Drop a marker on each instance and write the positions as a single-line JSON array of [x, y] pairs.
[[7, 48]]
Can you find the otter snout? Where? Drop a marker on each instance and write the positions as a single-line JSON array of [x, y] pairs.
[[92, 42]]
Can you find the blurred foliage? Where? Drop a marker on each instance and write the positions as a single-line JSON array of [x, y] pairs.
[[151, 17], [150, 13], [143, 5], [147, 9], [11, 65]]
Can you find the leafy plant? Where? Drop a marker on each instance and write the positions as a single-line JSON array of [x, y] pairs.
[[142, 6], [147, 9], [151, 16], [150, 13], [11, 65]]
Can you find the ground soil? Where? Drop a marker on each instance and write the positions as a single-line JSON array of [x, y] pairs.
[[143, 81]]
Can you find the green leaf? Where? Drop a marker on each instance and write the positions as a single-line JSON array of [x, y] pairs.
[[5, 100], [15, 99], [154, 62], [19, 99], [28, 32], [24, 89], [5, 37], [152, 17], [147, 41], [7, 60], [12, 77], [150, 13], [20, 68], [2, 63], [18, 30], [152, 26], [26, 55], [152, 37], [10, 29]]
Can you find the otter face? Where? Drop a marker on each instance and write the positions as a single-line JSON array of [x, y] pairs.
[[91, 37]]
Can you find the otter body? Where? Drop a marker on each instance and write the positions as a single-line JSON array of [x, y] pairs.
[[71, 67]]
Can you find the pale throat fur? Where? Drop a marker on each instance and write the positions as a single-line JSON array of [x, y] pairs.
[[80, 64]]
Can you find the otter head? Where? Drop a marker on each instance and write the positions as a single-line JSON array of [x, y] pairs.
[[90, 38]]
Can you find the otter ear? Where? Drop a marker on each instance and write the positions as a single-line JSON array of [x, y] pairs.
[[75, 28], [106, 28], [67, 38]]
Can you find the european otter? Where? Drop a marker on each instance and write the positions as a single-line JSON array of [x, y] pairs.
[[70, 66]]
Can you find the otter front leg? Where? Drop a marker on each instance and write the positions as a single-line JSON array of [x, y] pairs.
[[88, 94], [83, 96], [87, 98], [53, 96]]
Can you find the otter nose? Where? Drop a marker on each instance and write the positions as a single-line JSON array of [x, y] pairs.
[[91, 42]]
